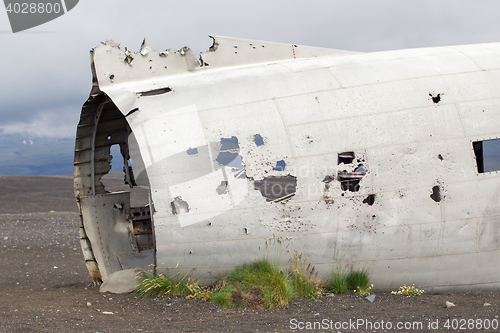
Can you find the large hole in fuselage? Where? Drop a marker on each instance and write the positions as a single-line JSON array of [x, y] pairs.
[[113, 190], [122, 178]]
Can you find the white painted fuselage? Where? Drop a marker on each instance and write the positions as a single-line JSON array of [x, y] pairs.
[[263, 149]]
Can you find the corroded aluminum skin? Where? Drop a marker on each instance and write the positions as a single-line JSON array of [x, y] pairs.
[[309, 109]]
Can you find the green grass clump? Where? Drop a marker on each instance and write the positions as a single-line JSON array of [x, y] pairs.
[[158, 286], [359, 282], [162, 285], [358, 279], [260, 284], [257, 284], [338, 283]]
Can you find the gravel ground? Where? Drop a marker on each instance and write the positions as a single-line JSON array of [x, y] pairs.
[[45, 287]]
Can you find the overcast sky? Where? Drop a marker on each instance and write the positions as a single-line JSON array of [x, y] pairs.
[[46, 70]]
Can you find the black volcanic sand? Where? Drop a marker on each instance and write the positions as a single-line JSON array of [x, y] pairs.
[[45, 287]]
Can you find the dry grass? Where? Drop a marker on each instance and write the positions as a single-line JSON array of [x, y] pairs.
[[304, 277]]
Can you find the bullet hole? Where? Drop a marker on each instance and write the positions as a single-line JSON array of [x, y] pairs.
[[209, 223], [349, 181], [222, 188], [309, 140], [280, 166], [370, 200], [436, 194], [277, 188], [328, 200], [327, 180], [440, 157], [112, 76], [154, 92], [229, 143], [225, 158], [192, 151], [436, 99], [346, 157], [351, 185], [229, 153], [257, 138], [360, 169], [179, 206]]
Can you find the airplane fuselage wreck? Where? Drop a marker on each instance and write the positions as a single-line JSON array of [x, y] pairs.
[[384, 160]]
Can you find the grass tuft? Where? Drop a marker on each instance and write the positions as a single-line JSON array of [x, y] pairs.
[[158, 286], [356, 280], [359, 281], [304, 278], [338, 283], [258, 284]]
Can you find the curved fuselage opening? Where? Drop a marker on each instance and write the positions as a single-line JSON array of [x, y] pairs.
[[116, 229]]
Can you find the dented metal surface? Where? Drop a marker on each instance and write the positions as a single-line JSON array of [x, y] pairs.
[[373, 159]]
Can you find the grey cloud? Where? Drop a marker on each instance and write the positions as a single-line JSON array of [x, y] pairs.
[[46, 71]]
